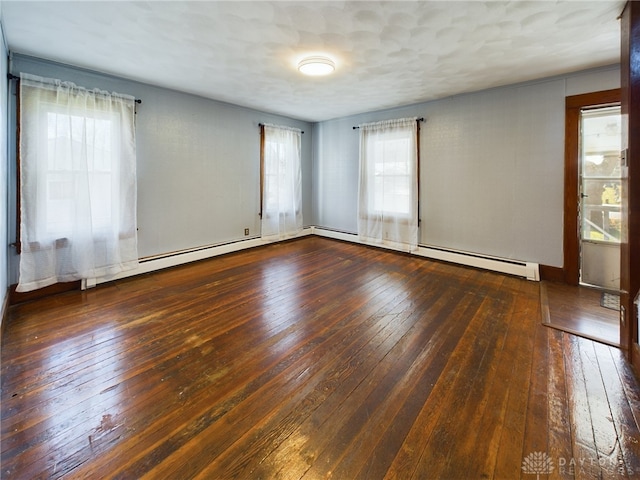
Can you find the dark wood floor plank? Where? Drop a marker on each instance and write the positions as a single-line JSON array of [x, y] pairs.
[[439, 408], [480, 393], [184, 359], [485, 426], [438, 458], [254, 371], [303, 392], [605, 433], [396, 329], [559, 425], [318, 429], [624, 401], [339, 316], [537, 414], [394, 404], [584, 445], [307, 359], [509, 456], [627, 458], [138, 342]]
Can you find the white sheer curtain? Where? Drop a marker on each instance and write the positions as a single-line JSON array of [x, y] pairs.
[[282, 178], [77, 183], [388, 192]]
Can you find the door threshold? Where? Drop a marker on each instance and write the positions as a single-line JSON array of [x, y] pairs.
[[615, 291]]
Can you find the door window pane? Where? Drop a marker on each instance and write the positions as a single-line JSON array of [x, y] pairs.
[[600, 174]]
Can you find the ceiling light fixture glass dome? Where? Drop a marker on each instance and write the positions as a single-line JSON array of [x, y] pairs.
[[316, 66]]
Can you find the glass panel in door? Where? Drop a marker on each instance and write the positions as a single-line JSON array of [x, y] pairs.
[[600, 209]]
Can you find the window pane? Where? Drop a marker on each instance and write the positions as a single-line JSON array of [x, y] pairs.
[[600, 173], [601, 210], [601, 142], [72, 138], [393, 176]]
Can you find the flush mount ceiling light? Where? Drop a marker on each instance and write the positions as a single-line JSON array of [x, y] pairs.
[[316, 66]]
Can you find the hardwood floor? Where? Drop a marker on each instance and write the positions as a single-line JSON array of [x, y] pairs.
[[577, 310], [311, 359]]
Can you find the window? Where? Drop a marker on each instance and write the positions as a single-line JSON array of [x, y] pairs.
[[281, 200], [393, 177], [64, 175], [388, 197], [77, 183]]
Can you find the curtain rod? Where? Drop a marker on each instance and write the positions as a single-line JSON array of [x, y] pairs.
[[421, 119], [14, 77], [262, 125]]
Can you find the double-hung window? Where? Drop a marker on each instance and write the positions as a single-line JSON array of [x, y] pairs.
[[281, 182], [77, 183], [66, 172], [388, 193]]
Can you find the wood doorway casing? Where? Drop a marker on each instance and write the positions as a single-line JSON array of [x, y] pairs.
[[573, 106]]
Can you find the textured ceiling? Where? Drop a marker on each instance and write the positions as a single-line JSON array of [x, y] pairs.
[[387, 54]]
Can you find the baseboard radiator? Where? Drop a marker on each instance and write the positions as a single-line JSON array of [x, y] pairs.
[[174, 259], [528, 270]]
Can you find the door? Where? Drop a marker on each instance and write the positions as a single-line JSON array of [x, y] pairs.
[[599, 188]]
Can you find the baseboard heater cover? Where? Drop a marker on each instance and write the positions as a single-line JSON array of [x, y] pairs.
[[528, 270], [174, 259]]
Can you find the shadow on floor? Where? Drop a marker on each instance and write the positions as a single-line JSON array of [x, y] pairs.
[[578, 310]]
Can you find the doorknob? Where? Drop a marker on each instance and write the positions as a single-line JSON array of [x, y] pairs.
[[583, 195]]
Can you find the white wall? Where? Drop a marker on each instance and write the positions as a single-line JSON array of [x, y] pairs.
[[197, 163], [492, 166]]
